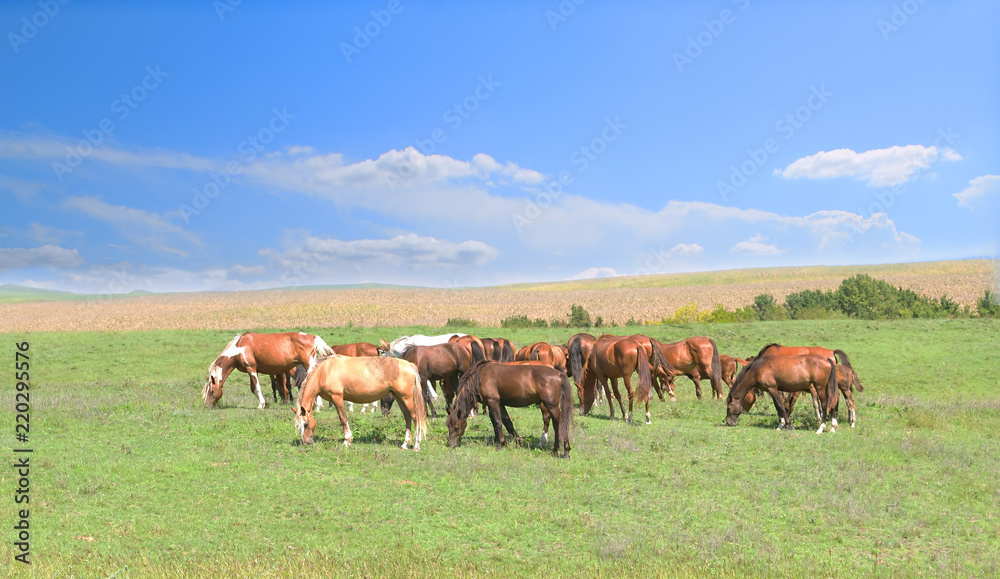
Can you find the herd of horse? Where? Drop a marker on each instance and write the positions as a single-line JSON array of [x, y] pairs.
[[489, 374]]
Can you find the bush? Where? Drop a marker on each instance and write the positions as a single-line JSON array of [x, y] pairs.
[[578, 317], [987, 306], [720, 315], [523, 322], [767, 308], [598, 322], [811, 305], [460, 323]]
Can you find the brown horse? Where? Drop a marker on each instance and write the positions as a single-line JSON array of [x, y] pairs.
[[364, 380], [648, 344], [357, 349], [777, 374], [444, 363], [613, 358], [552, 355], [498, 349], [844, 379], [730, 365], [466, 342], [837, 354], [264, 354], [697, 358], [517, 385]]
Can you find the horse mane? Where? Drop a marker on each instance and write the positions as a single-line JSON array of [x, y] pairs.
[[468, 389], [766, 348], [301, 376], [753, 364], [406, 350]]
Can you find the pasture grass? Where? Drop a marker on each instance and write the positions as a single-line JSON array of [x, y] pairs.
[[126, 454]]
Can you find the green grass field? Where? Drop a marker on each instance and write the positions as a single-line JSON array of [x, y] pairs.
[[126, 454]]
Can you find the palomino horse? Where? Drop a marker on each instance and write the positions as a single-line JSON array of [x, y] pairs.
[[365, 379], [400, 345], [517, 385], [777, 374], [261, 353], [697, 358], [779, 350], [613, 358]]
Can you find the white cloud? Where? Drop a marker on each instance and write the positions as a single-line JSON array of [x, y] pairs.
[[43, 147], [756, 246], [687, 249], [977, 189], [136, 225], [19, 188], [595, 272], [327, 256], [880, 167], [247, 271], [50, 256]]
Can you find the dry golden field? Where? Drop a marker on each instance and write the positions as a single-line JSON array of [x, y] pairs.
[[615, 299]]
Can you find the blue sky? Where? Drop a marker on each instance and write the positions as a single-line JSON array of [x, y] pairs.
[[203, 146]]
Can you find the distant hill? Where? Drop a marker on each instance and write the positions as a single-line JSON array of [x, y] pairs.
[[12, 293]]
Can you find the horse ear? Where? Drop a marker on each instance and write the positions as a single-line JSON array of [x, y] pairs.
[[302, 411]]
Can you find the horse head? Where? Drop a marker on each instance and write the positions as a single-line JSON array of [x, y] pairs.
[[212, 390], [305, 424], [456, 428]]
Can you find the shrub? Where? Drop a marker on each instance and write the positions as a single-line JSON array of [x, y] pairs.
[[767, 308], [460, 323], [579, 317], [811, 304], [598, 322], [987, 305], [515, 322]]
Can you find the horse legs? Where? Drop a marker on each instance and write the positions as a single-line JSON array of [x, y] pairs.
[[495, 418], [448, 388], [407, 407], [696, 378], [658, 387], [627, 380], [618, 396], [779, 407], [338, 403], [507, 423], [547, 415], [850, 407], [255, 388]]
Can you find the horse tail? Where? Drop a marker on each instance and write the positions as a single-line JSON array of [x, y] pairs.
[[468, 390], [766, 348], [508, 351], [320, 348], [831, 386], [419, 408], [845, 361], [301, 373], [477, 352], [645, 377], [576, 359], [659, 360], [716, 368], [565, 410], [741, 361]]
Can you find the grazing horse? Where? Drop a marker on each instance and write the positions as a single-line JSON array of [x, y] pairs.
[[365, 379], [844, 379], [498, 349], [580, 346], [518, 385], [730, 365], [444, 363], [697, 358], [554, 356], [357, 349], [777, 374], [613, 358], [400, 345], [837, 354], [261, 353]]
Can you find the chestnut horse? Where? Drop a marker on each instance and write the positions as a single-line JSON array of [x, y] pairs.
[[357, 349], [697, 358], [364, 380], [779, 350], [517, 385], [777, 374], [844, 379], [264, 354], [544, 352], [613, 358], [730, 365]]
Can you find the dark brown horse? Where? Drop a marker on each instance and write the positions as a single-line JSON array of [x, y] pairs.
[[778, 374], [613, 358], [264, 354], [444, 363], [363, 379], [844, 380], [697, 358], [837, 354], [502, 385]]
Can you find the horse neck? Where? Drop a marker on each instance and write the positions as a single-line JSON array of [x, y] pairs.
[[224, 368]]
